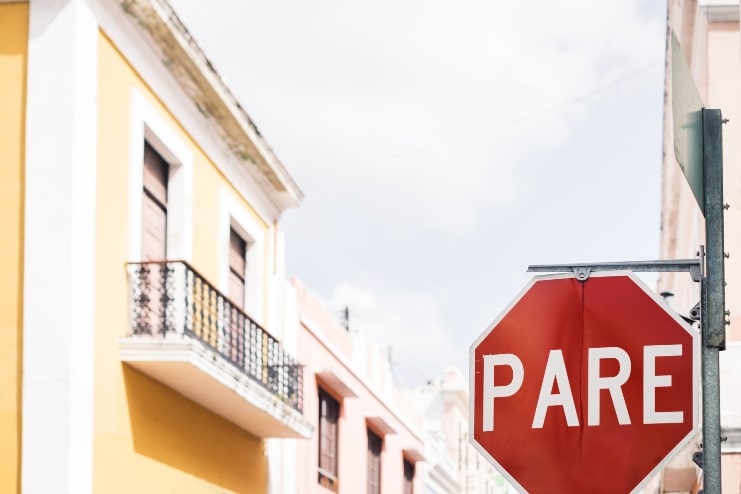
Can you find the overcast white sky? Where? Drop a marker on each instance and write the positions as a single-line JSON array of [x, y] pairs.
[[445, 145]]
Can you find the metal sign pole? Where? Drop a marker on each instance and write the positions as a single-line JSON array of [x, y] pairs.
[[713, 298]]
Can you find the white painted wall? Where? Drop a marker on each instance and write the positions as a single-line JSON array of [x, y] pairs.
[[58, 319]]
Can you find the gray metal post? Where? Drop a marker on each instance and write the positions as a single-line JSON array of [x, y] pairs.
[[714, 249], [713, 298]]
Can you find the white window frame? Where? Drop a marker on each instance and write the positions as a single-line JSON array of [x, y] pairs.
[[148, 125], [233, 214]]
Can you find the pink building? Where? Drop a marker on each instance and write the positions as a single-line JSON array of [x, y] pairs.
[[710, 36], [366, 440], [444, 403]]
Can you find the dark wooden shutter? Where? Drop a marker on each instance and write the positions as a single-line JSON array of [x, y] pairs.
[[237, 266], [375, 444], [408, 477], [235, 337], [154, 233], [329, 413], [154, 206]]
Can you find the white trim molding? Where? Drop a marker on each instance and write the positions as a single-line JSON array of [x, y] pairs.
[[147, 32], [59, 248], [148, 125], [233, 214]]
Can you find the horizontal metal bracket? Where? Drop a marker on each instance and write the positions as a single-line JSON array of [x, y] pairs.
[[583, 270]]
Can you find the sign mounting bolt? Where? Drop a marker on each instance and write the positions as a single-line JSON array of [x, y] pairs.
[[582, 272]]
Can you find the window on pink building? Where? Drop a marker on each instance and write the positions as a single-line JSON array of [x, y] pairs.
[[329, 413], [408, 477], [375, 445]]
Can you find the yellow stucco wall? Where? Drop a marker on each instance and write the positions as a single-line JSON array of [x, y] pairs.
[[149, 439], [13, 49]]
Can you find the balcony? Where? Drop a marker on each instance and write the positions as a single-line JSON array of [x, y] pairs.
[[186, 334]]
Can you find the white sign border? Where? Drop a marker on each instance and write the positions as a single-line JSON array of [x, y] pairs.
[[661, 303]]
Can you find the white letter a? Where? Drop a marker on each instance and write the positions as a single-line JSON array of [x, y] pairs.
[[555, 370]]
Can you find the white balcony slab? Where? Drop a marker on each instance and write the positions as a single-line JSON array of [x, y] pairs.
[[199, 373]]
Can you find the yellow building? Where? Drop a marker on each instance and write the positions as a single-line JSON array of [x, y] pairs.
[[140, 260]]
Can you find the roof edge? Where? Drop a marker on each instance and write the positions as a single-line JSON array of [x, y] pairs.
[[197, 76]]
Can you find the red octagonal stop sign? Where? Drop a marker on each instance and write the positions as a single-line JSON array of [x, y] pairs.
[[584, 386]]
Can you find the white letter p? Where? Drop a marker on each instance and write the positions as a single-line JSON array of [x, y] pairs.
[[491, 391]]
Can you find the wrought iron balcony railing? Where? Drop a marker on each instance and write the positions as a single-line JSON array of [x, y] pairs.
[[170, 297]]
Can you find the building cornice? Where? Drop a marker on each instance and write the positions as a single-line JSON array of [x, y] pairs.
[[313, 329], [721, 11], [441, 476], [732, 441], [196, 75]]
